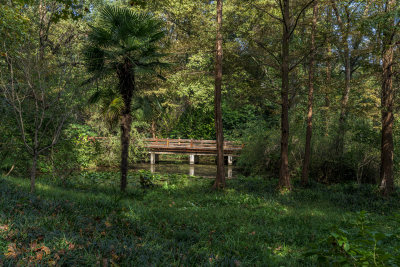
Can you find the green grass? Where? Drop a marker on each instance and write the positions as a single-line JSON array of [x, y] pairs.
[[178, 222]]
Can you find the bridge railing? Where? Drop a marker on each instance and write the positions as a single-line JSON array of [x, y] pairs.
[[189, 143], [160, 143]]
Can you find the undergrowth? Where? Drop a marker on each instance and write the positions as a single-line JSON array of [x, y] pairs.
[[177, 221]]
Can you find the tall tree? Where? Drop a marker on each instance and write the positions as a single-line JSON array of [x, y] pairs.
[[289, 24], [288, 15], [124, 43], [344, 46], [389, 32], [307, 152], [284, 178], [220, 178]]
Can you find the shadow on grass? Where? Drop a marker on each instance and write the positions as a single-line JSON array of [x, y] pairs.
[[181, 221]]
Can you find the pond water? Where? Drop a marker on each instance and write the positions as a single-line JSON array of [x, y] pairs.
[[203, 170]]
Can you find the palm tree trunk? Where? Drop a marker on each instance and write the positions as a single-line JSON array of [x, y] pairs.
[[284, 177], [126, 86], [220, 178], [307, 152], [125, 137]]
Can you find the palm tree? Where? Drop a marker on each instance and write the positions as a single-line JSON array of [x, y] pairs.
[[124, 43]]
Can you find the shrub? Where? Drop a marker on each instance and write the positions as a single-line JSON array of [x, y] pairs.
[[363, 244], [146, 178]]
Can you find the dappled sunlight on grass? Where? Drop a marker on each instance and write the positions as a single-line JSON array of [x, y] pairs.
[[178, 220]]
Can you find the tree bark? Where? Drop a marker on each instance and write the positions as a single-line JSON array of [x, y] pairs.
[[33, 171], [284, 177], [220, 178], [126, 86], [343, 105], [307, 152], [345, 31], [328, 83], [387, 102]]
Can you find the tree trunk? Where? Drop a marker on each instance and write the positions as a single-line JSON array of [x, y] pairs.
[[126, 86], [125, 137], [284, 178], [328, 83], [345, 30], [220, 178], [307, 152], [387, 101], [343, 105], [33, 171]]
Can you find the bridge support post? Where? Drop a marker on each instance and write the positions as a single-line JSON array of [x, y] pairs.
[[230, 171], [229, 160], [193, 159], [154, 158], [191, 170], [152, 168]]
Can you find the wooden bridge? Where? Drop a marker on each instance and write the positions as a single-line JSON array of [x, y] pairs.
[[194, 148]]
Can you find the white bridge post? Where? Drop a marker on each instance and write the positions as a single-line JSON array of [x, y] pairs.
[[191, 170], [193, 159], [230, 171], [153, 158], [230, 160]]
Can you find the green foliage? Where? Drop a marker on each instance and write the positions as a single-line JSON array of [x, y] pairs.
[[75, 151], [123, 35], [236, 120], [360, 161], [180, 221], [147, 178], [260, 153], [195, 123], [13, 26], [360, 243], [79, 149]]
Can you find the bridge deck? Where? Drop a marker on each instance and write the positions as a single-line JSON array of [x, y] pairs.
[[189, 146]]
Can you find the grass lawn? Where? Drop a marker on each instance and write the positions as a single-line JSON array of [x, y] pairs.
[[178, 222]]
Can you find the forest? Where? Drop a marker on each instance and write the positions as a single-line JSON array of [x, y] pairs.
[[199, 133]]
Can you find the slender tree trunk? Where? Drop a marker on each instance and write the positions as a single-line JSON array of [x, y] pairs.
[[387, 102], [33, 171], [307, 152], [345, 30], [220, 178], [343, 105], [127, 86], [328, 83], [284, 178]]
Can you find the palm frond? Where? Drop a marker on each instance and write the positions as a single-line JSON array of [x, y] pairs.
[[122, 34]]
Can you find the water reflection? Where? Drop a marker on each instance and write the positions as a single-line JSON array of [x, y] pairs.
[[203, 170]]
